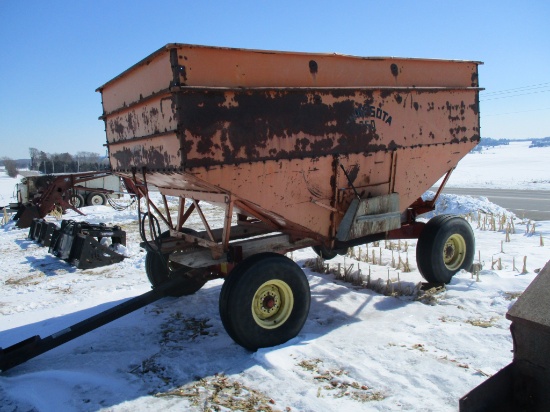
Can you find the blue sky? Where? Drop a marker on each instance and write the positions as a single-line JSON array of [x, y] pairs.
[[55, 53]]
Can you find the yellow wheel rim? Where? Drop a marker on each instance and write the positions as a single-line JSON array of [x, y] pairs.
[[272, 304], [454, 252]]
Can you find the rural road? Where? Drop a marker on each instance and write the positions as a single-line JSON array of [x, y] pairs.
[[532, 204]]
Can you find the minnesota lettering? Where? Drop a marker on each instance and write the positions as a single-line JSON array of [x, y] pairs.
[[365, 114]]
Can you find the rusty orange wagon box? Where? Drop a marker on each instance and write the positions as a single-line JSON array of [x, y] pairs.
[[297, 150]]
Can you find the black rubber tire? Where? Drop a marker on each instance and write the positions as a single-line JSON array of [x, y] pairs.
[[96, 199], [438, 239], [76, 200], [328, 254], [158, 272], [245, 281]]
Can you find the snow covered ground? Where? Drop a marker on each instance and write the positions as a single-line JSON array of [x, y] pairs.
[[378, 348], [516, 166]]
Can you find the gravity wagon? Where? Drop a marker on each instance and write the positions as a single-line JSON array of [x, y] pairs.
[[296, 150]]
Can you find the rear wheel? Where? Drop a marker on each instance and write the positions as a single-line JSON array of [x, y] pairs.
[[264, 301], [96, 199], [159, 270], [445, 246], [76, 200], [328, 254]]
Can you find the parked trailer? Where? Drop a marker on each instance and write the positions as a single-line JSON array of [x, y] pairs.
[[297, 150], [94, 192], [39, 195], [85, 192]]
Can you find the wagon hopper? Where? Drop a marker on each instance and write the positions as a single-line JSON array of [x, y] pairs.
[[305, 149]]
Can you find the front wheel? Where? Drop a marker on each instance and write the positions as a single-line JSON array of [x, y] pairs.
[[445, 246], [323, 252], [96, 199], [160, 270], [76, 200], [264, 301]]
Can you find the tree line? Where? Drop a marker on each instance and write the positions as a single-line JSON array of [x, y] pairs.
[[48, 163], [65, 162]]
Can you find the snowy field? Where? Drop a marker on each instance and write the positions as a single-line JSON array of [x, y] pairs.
[[376, 348], [516, 166]]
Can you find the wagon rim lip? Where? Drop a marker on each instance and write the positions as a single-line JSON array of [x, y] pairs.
[[167, 47], [272, 304]]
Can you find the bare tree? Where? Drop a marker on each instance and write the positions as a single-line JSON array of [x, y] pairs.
[[43, 157], [34, 154], [66, 162], [87, 160], [52, 157], [11, 166]]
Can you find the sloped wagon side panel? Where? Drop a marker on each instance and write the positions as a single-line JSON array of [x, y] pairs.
[[278, 130], [291, 138]]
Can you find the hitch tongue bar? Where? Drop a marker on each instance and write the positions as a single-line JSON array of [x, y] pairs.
[[34, 346]]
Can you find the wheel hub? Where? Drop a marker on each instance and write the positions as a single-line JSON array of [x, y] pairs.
[[269, 302], [449, 251], [454, 252]]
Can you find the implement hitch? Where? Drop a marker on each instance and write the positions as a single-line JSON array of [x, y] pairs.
[[34, 346], [79, 243]]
